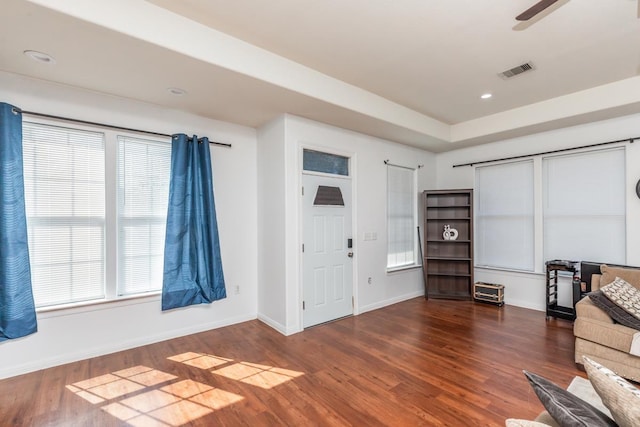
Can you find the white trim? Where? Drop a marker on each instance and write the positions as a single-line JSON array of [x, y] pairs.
[[385, 303], [526, 304], [403, 268], [60, 359], [509, 270], [95, 305], [277, 325], [327, 175]]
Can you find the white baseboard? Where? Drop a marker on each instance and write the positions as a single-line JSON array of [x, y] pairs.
[[381, 304], [525, 304], [277, 325], [6, 372]]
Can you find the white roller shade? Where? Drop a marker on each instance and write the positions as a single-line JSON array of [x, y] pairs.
[[505, 216], [401, 216], [584, 206]]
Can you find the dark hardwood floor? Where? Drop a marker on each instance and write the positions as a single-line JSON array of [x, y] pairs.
[[433, 363]]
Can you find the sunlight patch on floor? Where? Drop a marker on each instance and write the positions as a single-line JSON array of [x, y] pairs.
[[128, 395], [200, 360], [145, 397], [258, 375], [263, 376]]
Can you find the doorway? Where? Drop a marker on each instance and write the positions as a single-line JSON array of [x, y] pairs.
[[327, 259]]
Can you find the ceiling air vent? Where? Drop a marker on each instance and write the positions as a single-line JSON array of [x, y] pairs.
[[527, 66]]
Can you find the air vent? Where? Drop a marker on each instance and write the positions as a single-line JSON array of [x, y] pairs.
[[527, 66]]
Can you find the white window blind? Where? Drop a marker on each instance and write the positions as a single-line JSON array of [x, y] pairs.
[[65, 204], [584, 206], [505, 216], [143, 192], [401, 217]]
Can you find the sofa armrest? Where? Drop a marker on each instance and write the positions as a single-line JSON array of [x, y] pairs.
[[585, 308]]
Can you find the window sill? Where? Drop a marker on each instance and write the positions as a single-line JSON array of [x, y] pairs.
[[403, 268], [95, 305], [509, 270]]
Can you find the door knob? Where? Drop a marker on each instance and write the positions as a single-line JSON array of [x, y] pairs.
[[350, 254]]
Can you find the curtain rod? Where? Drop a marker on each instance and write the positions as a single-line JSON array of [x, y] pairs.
[[524, 156], [85, 122], [388, 163]]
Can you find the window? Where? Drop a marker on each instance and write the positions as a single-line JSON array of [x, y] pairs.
[[65, 206], [95, 225], [584, 206], [581, 213], [317, 161], [505, 216], [402, 218], [143, 192]]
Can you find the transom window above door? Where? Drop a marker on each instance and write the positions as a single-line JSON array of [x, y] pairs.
[[318, 161]]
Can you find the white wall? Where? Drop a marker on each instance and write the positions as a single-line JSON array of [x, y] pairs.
[[257, 197], [528, 289], [369, 178], [272, 227], [72, 334]]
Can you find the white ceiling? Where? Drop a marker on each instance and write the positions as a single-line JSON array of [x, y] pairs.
[[410, 71]]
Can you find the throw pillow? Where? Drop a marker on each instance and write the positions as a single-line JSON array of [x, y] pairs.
[[624, 296], [567, 409], [609, 274], [617, 394], [617, 313], [512, 422]]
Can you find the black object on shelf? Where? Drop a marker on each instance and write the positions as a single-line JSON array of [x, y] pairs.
[[553, 268]]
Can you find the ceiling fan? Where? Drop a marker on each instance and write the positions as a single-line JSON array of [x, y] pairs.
[[541, 6], [535, 9]]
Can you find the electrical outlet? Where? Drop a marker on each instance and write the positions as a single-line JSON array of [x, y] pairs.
[[369, 280], [237, 289]]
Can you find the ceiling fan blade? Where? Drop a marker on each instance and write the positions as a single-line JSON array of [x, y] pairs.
[[535, 9]]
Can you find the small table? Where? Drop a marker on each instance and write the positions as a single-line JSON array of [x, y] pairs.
[[553, 309]]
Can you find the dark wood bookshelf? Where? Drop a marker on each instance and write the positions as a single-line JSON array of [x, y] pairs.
[[448, 264]]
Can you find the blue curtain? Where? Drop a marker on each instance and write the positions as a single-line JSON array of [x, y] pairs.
[[17, 310], [192, 262]]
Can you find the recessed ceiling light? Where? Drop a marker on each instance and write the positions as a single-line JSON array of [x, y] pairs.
[[40, 56], [486, 96], [176, 91]]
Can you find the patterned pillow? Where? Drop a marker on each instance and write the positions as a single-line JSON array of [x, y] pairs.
[[623, 295], [567, 409], [617, 394]]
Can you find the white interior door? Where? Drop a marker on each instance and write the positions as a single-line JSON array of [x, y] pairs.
[[327, 260]]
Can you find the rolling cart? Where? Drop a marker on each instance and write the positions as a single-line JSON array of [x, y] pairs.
[[553, 268]]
